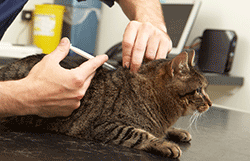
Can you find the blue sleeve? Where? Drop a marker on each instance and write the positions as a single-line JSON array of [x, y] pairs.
[[110, 3], [9, 9]]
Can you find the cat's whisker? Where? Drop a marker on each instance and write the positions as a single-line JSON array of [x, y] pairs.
[[192, 119], [201, 114], [204, 114], [195, 124], [192, 116]]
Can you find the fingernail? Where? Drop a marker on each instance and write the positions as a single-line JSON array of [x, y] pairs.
[[63, 41], [126, 65]]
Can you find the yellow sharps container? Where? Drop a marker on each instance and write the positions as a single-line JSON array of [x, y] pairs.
[[48, 20]]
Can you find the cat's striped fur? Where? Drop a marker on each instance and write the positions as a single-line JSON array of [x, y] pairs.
[[135, 110]]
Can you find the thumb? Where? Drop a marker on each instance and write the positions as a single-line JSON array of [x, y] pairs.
[[62, 50]]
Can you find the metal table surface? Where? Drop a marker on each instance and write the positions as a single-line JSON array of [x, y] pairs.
[[218, 135]]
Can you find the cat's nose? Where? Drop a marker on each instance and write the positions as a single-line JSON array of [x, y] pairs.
[[206, 98], [209, 102]]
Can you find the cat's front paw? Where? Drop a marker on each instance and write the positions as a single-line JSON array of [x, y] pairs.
[[164, 149], [178, 135]]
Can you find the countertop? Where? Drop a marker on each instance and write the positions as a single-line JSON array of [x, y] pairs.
[[218, 135]]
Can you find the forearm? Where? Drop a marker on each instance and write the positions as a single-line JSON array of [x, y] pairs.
[[144, 11], [9, 104]]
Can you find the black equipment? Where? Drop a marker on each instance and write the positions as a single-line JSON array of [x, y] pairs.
[[217, 51]]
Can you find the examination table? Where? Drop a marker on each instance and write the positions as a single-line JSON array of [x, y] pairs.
[[218, 135]]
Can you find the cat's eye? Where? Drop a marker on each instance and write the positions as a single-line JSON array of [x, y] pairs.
[[198, 90]]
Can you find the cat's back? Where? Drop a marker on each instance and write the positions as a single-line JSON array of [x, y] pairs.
[[20, 68]]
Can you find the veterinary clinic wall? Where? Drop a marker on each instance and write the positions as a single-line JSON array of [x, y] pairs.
[[111, 28], [22, 28], [214, 14]]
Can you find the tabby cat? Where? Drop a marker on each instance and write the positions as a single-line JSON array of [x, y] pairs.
[[135, 110]]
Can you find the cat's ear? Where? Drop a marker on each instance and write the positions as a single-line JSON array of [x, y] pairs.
[[180, 63], [191, 56]]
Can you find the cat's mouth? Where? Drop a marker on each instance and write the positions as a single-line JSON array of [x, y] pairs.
[[196, 100]]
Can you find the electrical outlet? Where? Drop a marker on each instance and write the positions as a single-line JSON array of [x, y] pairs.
[[26, 15]]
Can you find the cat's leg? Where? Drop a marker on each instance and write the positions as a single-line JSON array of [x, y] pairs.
[[140, 139], [178, 135]]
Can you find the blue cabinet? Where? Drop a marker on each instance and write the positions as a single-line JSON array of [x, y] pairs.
[[81, 22]]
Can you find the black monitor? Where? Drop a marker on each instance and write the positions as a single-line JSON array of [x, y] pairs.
[[179, 16]]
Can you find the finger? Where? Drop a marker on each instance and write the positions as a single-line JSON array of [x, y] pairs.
[[152, 48], [82, 91], [76, 77], [61, 51], [85, 86], [87, 82], [162, 50], [170, 45], [90, 66], [139, 50], [128, 42]]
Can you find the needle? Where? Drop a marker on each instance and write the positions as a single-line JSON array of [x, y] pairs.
[[88, 56]]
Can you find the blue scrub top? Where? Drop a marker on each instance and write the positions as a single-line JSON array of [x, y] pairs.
[[9, 9]]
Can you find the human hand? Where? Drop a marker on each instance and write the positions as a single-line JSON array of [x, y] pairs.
[[143, 41], [54, 91]]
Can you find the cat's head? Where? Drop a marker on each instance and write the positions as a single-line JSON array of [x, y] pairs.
[[186, 85], [189, 84]]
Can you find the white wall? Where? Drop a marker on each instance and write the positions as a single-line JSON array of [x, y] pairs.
[[16, 28], [111, 28]]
